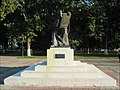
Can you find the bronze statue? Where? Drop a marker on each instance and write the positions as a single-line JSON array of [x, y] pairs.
[[60, 34]]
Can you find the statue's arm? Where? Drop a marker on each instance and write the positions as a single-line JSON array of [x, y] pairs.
[[61, 14]]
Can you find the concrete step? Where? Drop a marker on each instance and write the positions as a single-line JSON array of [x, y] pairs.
[[64, 82], [38, 74], [83, 75], [82, 68]]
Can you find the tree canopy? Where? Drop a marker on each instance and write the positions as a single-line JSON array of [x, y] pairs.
[[94, 24]]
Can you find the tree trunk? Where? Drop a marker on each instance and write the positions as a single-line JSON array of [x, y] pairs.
[[88, 51], [106, 47], [28, 46], [22, 49], [4, 49]]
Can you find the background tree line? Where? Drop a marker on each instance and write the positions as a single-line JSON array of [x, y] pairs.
[[95, 24]]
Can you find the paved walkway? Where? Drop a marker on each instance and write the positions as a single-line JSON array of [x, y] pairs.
[[10, 65]]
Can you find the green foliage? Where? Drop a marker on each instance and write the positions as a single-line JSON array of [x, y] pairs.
[[7, 6], [74, 43], [92, 20]]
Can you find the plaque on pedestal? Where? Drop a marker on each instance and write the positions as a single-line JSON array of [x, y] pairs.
[[62, 56]]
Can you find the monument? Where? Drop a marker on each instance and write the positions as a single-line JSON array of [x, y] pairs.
[[60, 34], [60, 52], [61, 69]]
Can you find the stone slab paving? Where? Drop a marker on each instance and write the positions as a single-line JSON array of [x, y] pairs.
[[10, 65], [3, 87], [110, 67]]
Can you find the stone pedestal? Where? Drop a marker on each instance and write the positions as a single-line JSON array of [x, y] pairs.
[[60, 70], [60, 56]]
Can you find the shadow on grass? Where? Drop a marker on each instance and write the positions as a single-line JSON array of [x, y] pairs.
[[43, 53], [18, 53], [95, 55]]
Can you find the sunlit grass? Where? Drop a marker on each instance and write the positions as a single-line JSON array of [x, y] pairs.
[[94, 57], [33, 57], [85, 56]]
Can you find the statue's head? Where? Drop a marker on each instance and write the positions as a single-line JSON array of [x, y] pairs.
[[68, 13]]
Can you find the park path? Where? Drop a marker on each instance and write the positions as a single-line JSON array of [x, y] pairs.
[[11, 64]]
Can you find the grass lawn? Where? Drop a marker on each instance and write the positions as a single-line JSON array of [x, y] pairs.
[[79, 56], [95, 56], [41, 57], [76, 56]]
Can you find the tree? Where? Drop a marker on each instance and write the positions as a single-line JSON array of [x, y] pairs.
[[30, 17], [32, 20], [92, 21], [110, 10], [7, 6]]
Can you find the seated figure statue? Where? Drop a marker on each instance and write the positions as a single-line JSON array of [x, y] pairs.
[[60, 34]]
